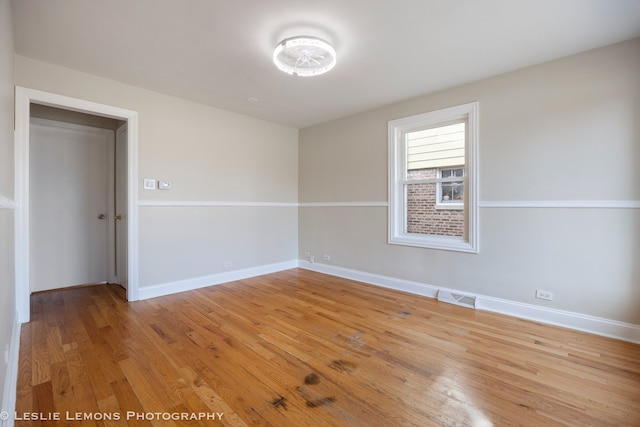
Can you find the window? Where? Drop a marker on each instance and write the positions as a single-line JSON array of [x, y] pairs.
[[433, 179]]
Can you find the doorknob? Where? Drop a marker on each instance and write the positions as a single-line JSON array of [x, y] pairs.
[[101, 216], [118, 217]]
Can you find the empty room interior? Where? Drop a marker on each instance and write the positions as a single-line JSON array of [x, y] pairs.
[[330, 213]]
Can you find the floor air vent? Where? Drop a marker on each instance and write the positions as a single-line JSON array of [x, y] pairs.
[[458, 299]]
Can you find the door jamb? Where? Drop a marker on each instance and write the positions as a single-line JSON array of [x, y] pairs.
[[23, 99]]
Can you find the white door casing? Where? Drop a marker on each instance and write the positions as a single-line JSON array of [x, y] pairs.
[[71, 204], [23, 99], [120, 219]]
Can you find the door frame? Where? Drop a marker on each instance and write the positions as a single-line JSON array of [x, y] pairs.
[[24, 97], [117, 225]]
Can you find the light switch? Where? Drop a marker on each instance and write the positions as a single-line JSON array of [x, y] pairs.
[[149, 184], [164, 185]]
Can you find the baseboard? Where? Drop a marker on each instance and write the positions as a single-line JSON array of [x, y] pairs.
[[581, 322], [372, 279], [567, 319], [11, 376], [214, 279]]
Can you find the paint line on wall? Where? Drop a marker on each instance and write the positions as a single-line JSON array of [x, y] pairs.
[[571, 204], [210, 204], [344, 204], [507, 204]]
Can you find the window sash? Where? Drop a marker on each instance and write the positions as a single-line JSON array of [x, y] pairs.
[[433, 180]]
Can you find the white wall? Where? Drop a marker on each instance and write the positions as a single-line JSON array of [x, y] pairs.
[[213, 158], [556, 133], [7, 295]]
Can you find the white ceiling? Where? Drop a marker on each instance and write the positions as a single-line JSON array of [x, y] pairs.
[[218, 52]]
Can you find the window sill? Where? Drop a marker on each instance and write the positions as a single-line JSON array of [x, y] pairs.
[[447, 243], [451, 207]]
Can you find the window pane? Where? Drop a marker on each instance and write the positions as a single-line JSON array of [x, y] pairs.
[[452, 173], [421, 174], [436, 147], [452, 192], [422, 217]]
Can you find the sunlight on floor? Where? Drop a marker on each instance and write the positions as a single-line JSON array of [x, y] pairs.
[[458, 401]]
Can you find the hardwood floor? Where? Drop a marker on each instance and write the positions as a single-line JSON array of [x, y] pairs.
[[298, 348]]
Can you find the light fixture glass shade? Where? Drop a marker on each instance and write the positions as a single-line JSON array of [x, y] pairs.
[[304, 56]]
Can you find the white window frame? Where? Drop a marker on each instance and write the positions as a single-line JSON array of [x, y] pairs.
[[398, 130], [453, 205]]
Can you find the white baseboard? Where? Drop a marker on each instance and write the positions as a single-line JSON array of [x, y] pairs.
[[567, 319], [581, 322], [373, 279], [214, 279], [11, 376]]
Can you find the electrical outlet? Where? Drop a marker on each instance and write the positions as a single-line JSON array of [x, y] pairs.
[[228, 264], [327, 257], [307, 255], [542, 294]]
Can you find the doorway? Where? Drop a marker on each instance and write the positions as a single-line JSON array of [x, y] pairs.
[[71, 199], [25, 99]]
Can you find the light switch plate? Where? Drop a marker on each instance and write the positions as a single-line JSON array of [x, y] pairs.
[[149, 184]]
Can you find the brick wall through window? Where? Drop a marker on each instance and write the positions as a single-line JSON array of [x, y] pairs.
[[422, 215]]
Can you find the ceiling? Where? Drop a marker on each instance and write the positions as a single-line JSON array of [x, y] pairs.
[[218, 52]]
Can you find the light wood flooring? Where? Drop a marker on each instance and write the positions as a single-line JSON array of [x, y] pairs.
[[299, 348]]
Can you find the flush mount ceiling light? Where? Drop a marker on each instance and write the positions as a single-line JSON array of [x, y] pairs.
[[304, 56]]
